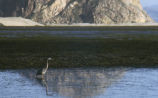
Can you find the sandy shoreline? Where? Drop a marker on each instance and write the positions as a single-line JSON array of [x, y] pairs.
[[86, 24], [19, 21]]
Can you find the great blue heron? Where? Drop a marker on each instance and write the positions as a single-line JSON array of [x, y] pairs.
[[41, 72]]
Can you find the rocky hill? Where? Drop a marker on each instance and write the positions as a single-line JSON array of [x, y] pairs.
[[76, 11]]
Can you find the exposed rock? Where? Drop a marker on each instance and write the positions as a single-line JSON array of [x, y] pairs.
[[76, 11], [16, 8]]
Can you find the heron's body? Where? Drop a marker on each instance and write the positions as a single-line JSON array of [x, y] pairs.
[[41, 72]]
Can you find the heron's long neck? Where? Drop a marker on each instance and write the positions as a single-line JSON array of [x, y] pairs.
[[47, 64]]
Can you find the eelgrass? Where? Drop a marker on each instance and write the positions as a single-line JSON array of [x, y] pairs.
[[77, 52], [118, 49]]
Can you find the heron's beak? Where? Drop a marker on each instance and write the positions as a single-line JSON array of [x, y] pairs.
[[49, 58]]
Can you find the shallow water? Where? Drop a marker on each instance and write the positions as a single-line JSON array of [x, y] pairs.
[[74, 33], [80, 83]]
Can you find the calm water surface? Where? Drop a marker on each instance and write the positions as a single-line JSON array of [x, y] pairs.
[[74, 33], [80, 83]]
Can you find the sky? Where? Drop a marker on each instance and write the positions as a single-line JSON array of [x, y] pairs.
[[147, 5], [148, 2]]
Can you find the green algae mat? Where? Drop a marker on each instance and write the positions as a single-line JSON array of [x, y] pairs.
[[29, 47]]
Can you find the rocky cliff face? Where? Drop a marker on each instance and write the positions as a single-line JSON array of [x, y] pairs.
[[76, 11]]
